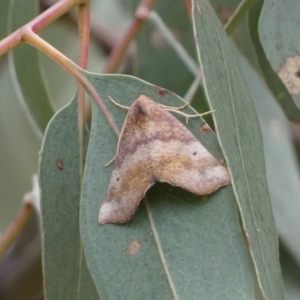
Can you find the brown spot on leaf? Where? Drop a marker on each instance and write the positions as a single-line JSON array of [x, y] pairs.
[[290, 74], [204, 128], [134, 247], [248, 240], [160, 91], [59, 164], [225, 12]]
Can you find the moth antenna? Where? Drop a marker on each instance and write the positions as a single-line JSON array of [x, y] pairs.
[[110, 162], [187, 116], [175, 107], [207, 113]]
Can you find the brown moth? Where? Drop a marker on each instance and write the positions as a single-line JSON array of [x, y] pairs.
[[155, 146]]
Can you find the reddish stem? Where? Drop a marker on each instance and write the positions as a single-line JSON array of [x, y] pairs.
[[119, 50], [15, 227], [37, 24], [84, 36]]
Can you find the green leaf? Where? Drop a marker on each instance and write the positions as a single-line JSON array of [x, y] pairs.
[[153, 48], [240, 138], [291, 275], [155, 55], [190, 248], [278, 31], [27, 69], [65, 273], [276, 85], [3, 18], [235, 10], [281, 161]]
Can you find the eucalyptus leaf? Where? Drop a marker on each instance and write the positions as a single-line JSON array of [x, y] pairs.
[[279, 90], [281, 161], [278, 31], [240, 137], [64, 269], [26, 69], [188, 248]]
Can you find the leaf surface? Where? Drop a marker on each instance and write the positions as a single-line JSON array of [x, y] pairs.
[[278, 88], [64, 269], [241, 140], [281, 161], [27, 69], [278, 31], [189, 248]]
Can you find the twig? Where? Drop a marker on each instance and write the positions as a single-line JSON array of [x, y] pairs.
[[84, 36], [37, 24], [102, 35], [71, 67], [188, 97], [16, 227], [238, 15], [27, 33], [191, 65], [119, 50]]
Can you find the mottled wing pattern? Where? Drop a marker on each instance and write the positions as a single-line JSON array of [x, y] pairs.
[[155, 146]]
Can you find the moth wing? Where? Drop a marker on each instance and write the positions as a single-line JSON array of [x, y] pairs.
[[189, 166], [180, 159], [126, 189], [132, 175]]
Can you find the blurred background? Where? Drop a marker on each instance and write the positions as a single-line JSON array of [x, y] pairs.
[[20, 268]]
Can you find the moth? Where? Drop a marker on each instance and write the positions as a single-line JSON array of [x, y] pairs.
[[155, 146]]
